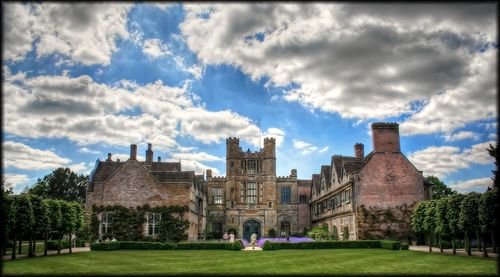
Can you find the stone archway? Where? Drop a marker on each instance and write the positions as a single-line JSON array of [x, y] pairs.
[[250, 227]]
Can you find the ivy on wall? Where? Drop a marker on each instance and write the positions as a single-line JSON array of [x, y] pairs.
[[127, 224], [385, 223]]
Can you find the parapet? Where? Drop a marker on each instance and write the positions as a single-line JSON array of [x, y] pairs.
[[269, 140], [385, 125], [232, 140]]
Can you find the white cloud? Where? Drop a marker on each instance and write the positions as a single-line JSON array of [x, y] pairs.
[[21, 156], [87, 112], [461, 136], [307, 148], [371, 61], [201, 156], [154, 48], [441, 161], [276, 133], [84, 32], [124, 157], [17, 181], [81, 168], [88, 151], [475, 184]]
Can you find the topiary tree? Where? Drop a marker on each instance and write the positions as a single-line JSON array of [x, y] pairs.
[[42, 220], [272, 233], [430, 221], [67, 221], [76, 210], [469, 220], [418, 216], [441, 220], [487, 207], [55, 221], [335, 233], [267, 245], [24, 219], [454, 203]]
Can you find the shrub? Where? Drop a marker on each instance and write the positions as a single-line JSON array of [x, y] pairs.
[[205, 246], [237, 246], [267, 245], [272, 233], [105, 246], [52, 244], [390, 244], [404, 246]]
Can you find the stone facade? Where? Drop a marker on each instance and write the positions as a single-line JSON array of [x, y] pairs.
[[372, 195], [133, 183], [251, 198]]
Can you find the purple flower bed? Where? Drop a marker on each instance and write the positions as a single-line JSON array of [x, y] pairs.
[[261, 241], [244, 242]]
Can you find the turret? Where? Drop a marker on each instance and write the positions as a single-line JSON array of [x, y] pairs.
[[149, 153]]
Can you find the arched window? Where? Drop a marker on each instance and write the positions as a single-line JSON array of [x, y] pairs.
[[105, 224]]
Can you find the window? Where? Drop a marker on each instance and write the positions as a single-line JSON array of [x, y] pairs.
[[270, 204], [337, 199], [217, 195], [242, 192], [232, 204], [285, 229], [303, 199], [105, 224], [153, 220], [217, 227], [285, 195], [348, 196], [251, 193]]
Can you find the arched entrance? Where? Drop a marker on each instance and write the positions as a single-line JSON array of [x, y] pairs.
[[250, 227]]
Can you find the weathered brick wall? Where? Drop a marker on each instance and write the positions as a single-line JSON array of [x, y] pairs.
[[388, 181], [304, 211]]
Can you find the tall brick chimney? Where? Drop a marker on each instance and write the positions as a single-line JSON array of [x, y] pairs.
[[109, 157], [359, 150], [133, 152], [149, 153], [385, 137]]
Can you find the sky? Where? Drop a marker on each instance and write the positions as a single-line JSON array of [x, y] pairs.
[[83, 80]]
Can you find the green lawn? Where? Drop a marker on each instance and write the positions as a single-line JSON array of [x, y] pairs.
[[320, 261]]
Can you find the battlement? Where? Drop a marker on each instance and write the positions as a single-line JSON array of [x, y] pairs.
[[389, 125], [269, 140], [233, 140]]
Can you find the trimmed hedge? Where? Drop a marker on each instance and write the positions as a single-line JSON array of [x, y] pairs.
[[237, 246], [405, 246], [348, 244], [131, 245], [205, 246]]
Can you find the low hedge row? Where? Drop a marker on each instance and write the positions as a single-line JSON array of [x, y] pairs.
[[146, 245], [349, 244]]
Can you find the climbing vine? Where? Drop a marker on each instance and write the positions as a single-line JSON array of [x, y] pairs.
[[126, 224]]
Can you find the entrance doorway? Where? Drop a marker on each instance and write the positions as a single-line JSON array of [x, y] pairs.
[[249, 228]]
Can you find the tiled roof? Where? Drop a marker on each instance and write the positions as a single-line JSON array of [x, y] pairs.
[[325, 171], [165, 166], [105, 169], [304, 182], [174, 176]]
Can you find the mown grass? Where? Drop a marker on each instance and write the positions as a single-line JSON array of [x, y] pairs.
[[283, 262]]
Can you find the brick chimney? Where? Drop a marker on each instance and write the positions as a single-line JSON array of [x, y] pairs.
[[149, 153], [133, 152], [209, 173], [359, 150], [109, 157], [159, 159], [385, 137]]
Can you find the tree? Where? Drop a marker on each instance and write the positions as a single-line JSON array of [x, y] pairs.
[[493, 152], [469, 219], [55, 220], [430, 221], [488, 206], [441, 220], [439, 189], [42, 220], [452, 217], [63, 184], [24, 219], [418, 216], [8, 206], [68, 220]]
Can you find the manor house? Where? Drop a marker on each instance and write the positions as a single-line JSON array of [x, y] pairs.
[[364, 196]]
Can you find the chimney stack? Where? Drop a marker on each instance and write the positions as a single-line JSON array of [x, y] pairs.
[[359, 150], [117, 160], [385, 137], [209, 173], [133, 152], [149, 153], [109, 157], [159, 159]]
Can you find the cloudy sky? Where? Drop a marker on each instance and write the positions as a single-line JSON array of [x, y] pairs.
[[82, 80]]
